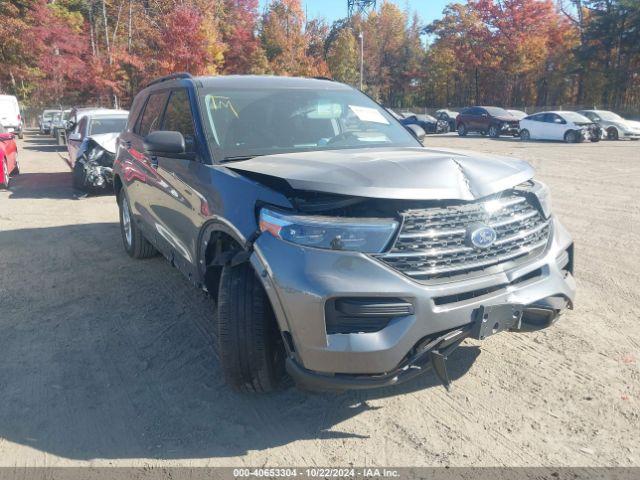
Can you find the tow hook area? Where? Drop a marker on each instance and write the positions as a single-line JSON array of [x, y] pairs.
[[432, 353]]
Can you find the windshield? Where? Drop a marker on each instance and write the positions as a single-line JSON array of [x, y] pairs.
[[609, 116], [497, 112], [575, 117], [108, 125], [247, 122]]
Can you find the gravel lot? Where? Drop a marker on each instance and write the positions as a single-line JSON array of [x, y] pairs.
[[108, 361]]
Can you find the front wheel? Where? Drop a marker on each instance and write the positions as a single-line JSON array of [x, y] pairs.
[[249, 343], [132, 237], [494, 132], [571, 137], [612, 133], [525, 135], [462, 130]]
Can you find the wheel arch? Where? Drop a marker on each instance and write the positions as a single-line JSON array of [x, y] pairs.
[[219, 243], [117, 186]]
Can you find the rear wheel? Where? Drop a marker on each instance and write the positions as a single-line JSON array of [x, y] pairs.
[[612, 133], [132, 237], [462, 130], [4, 183], [525, 135], [250, 346]]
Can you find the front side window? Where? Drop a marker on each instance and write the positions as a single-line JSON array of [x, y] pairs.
[[150, 120], [264, 121], [178, 117]]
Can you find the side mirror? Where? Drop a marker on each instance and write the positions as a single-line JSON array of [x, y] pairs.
[[75, 136], [417, 131], [164, 143]]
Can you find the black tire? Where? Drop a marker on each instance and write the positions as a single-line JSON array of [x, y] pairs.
[[612, 133], [494, 132], [134, 244], [462, 130], [249, 343], [20, 134], [79, 176], [5, 177], [525, 136], [570, 137], [594, 139]]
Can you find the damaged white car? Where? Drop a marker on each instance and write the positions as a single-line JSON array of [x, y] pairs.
[[93, 169]]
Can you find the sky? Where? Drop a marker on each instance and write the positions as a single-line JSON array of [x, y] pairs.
[[331, 10]]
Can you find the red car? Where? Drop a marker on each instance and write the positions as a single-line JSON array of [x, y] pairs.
[[8, 157]]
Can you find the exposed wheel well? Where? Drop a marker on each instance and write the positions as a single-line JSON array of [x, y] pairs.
[[117, 186], [221, 249]]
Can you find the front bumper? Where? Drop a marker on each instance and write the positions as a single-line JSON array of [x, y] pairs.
[[300, 281]]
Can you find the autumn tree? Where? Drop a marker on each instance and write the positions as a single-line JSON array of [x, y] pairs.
[[239, 26], [284, 40], [342, 57]]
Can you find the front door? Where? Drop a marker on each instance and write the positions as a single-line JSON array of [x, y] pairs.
[[179, 205]]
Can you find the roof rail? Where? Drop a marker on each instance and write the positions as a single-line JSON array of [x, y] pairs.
[[324, 78], [173, 76]]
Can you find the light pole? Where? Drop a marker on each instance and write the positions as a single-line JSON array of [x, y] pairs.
[[361, 37]]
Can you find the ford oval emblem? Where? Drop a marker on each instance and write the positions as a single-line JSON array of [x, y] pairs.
[[481, 235]]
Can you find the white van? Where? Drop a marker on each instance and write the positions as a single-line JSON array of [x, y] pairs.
[[10, 117]]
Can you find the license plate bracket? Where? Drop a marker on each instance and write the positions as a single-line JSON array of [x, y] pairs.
[[493, 319]]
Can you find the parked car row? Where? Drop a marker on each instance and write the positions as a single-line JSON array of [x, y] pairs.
[[10, 117], [8, 157], [569, 126]]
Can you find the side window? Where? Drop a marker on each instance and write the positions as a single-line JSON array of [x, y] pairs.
[[150, 120], [82, 127], [178, 116]]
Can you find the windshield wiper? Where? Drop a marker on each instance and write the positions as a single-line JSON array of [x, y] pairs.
[[238, 158]]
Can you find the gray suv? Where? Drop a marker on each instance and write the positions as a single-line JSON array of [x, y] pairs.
[[338, 248]]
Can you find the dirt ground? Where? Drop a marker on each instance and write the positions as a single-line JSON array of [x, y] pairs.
[[105, 360]]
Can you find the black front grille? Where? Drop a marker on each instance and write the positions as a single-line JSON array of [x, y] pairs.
[[433, 241]]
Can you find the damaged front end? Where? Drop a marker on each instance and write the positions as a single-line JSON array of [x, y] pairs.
[[93, 170]]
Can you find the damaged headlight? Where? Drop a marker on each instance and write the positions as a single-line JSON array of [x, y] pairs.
[[541, 192], [367, 235]]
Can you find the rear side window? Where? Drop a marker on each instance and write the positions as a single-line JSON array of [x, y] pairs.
[[150, 120]]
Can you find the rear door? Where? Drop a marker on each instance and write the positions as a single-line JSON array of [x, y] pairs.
[[534, 124]]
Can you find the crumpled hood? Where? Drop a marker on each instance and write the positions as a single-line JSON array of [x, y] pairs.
[[106, 141], [394, 173], [503, 118]]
